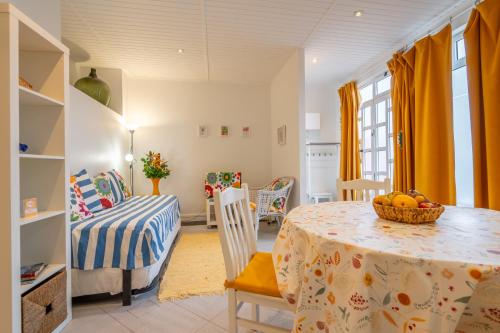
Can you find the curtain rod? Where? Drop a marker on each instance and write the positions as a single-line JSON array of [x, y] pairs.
[[440, 26], [377, 68]]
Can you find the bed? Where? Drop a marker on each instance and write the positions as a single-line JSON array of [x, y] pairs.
[[124, 249]]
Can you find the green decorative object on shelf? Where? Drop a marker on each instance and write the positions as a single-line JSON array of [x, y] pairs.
[[94, 87]]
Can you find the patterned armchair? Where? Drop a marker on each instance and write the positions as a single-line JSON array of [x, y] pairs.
[[272, 199], [218, 181]]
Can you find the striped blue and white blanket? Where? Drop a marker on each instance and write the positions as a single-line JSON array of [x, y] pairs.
[[128, 236]]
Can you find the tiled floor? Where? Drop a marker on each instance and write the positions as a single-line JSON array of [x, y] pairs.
[[207, 314]]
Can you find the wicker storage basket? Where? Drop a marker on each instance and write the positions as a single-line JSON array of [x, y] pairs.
[[44, 308], [408, 215]]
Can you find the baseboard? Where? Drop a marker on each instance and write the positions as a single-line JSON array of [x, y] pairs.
[[194, 219]]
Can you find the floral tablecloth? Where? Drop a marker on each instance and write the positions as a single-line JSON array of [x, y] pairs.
[[346, 270]]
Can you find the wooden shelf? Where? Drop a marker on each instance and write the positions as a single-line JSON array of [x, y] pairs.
[[41, 157], [49, 271], [40, 117], [28, 97], [41, 216]]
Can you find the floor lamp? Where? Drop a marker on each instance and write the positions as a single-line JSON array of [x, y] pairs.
[[130, 156]]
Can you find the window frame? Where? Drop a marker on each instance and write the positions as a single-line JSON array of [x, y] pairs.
[[458, 35], [374, 149]]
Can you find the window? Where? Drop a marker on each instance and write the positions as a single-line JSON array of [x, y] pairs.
[[375, 129], [461, 125]]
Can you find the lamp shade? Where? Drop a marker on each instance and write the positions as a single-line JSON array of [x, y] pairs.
[[313, 121], [129, 157]]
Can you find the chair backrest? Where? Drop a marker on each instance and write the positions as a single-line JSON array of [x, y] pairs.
[[236, 229], [221, 180], [360, 189]]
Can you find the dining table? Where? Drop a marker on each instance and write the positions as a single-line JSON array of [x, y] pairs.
[[345, 270]]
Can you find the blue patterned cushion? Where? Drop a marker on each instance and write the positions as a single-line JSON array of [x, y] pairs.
[[116, 186], [89, 193]]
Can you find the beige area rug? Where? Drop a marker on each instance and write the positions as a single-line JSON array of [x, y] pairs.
[[195, 268]]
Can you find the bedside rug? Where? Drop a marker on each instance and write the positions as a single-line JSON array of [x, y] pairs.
[[195, 268]]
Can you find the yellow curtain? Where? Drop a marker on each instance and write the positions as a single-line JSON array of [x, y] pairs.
[[403, 120], [482, 40], [434, 142], [350, 166]]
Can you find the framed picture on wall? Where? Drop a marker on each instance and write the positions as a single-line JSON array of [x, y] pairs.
[[282, 135], [202, 131], [245, 131], [224, 131]]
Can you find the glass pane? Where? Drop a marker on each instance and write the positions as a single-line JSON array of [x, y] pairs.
[[366, 93], [367, 162], [460, 45], [383, 85], [382, 161], [369, 176], [381, 137], [367, 139], [381, 112], [367, 116], [462, 130]]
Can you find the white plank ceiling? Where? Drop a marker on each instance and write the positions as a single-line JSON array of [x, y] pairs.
[[239, 41]]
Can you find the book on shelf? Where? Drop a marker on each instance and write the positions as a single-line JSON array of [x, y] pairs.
[[30, 273]]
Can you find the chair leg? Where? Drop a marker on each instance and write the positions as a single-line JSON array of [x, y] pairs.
[[207, 208], [231, 306], [255, 312]]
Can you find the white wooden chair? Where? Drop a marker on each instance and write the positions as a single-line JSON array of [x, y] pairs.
[[250, 274], [361, 188]]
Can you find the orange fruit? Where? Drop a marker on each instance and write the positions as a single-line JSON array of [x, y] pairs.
[[386, 201], [404, 201], [379, 199], [420, 198]]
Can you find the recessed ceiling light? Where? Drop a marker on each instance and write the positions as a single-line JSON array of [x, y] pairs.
[[315, 60], [358, 13], [180, 51]]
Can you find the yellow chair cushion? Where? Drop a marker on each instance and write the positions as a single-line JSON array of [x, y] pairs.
[[253, 205], [258, 277]]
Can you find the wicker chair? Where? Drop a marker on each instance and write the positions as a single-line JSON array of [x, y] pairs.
[[271, 201]]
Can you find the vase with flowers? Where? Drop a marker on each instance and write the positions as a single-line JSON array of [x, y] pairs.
[[155, 168]]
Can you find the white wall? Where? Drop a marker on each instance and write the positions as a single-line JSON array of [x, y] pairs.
[[98, 139], [288, 108], [47, 13], [323, 98], [169, 114]]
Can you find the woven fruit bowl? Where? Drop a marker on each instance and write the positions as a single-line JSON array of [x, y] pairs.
[[408, 215]]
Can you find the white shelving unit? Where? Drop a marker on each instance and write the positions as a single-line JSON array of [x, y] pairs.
[[41, 157], [37, 117], [41, 216], [48, 272], [28, 97]]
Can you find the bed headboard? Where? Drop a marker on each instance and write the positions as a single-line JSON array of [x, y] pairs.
[[98, 140]]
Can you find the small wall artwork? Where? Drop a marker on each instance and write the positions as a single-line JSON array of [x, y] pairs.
[[245, 131], [224, 131], [282, 135], [202, 131], [30, 207]]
